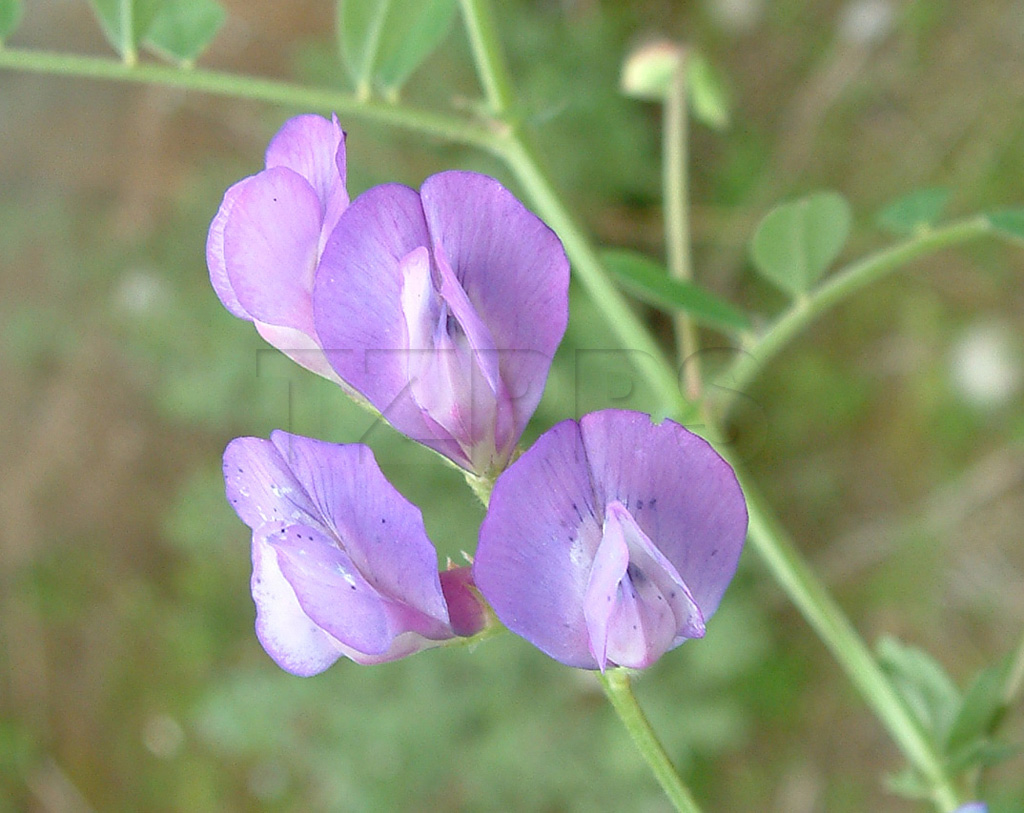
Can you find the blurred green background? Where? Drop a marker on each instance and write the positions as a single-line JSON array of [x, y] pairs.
[[891, 438]]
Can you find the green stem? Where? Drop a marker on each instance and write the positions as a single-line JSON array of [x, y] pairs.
[[619, 692], [488, 54], [518, 154], [820, 610], [628, 328], [126, 11], [842, 285], [291, 95], [677, 218]]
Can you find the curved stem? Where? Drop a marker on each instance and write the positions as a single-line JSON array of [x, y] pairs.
[[615, 683], [820, 610], [843, 284], [448, 128]]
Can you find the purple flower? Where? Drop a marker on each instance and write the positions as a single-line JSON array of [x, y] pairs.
[[972, 807], [444, 309], [341, 562], [265, 241], [611, 541]]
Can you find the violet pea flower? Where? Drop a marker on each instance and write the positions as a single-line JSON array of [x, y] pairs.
[[611, 541], [266, 239], [444, 309], [342, 565]]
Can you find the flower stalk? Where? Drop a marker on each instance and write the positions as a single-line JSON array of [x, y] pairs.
[[617, 689], [820, 610], [675, 172]]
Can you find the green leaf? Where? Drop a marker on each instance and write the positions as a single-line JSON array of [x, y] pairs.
[[930, 694], [383, 41], [182, 29], [909, 784], [126, 22], [797, 241], [982, 754], [1009, 222], [980, 710], [415, 28], [10, 16], [913, 212], [709, 99], [650, 282]]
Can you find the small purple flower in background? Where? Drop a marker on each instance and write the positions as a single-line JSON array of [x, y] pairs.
[[266, 239], [611, 541], [972, 807], [444, 309], [341, 561]]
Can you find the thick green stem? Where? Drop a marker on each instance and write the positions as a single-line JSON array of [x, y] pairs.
[[620, 693], [842, 285], [624, 323], [447, 128], [820, 610]]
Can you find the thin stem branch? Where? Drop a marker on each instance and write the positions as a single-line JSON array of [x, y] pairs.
[[820, 610], [488, 54], [675, 170], [840, 286], [617, 688], [448, 128]]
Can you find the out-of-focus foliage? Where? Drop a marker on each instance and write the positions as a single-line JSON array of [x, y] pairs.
[[796, 242], [178, 29], [383, 41], [918, 210], [10, 16], [651, 282]]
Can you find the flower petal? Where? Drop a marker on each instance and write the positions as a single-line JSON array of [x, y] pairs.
[[537, 544], [314, 147], [513, 270], [331, 590], [304, 350], [653, 610], [681, 493], [359, 315], [262, 488], [336, 548], [215, 252], [289, 636], [381, 531], [270, 248], [611, 560]]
